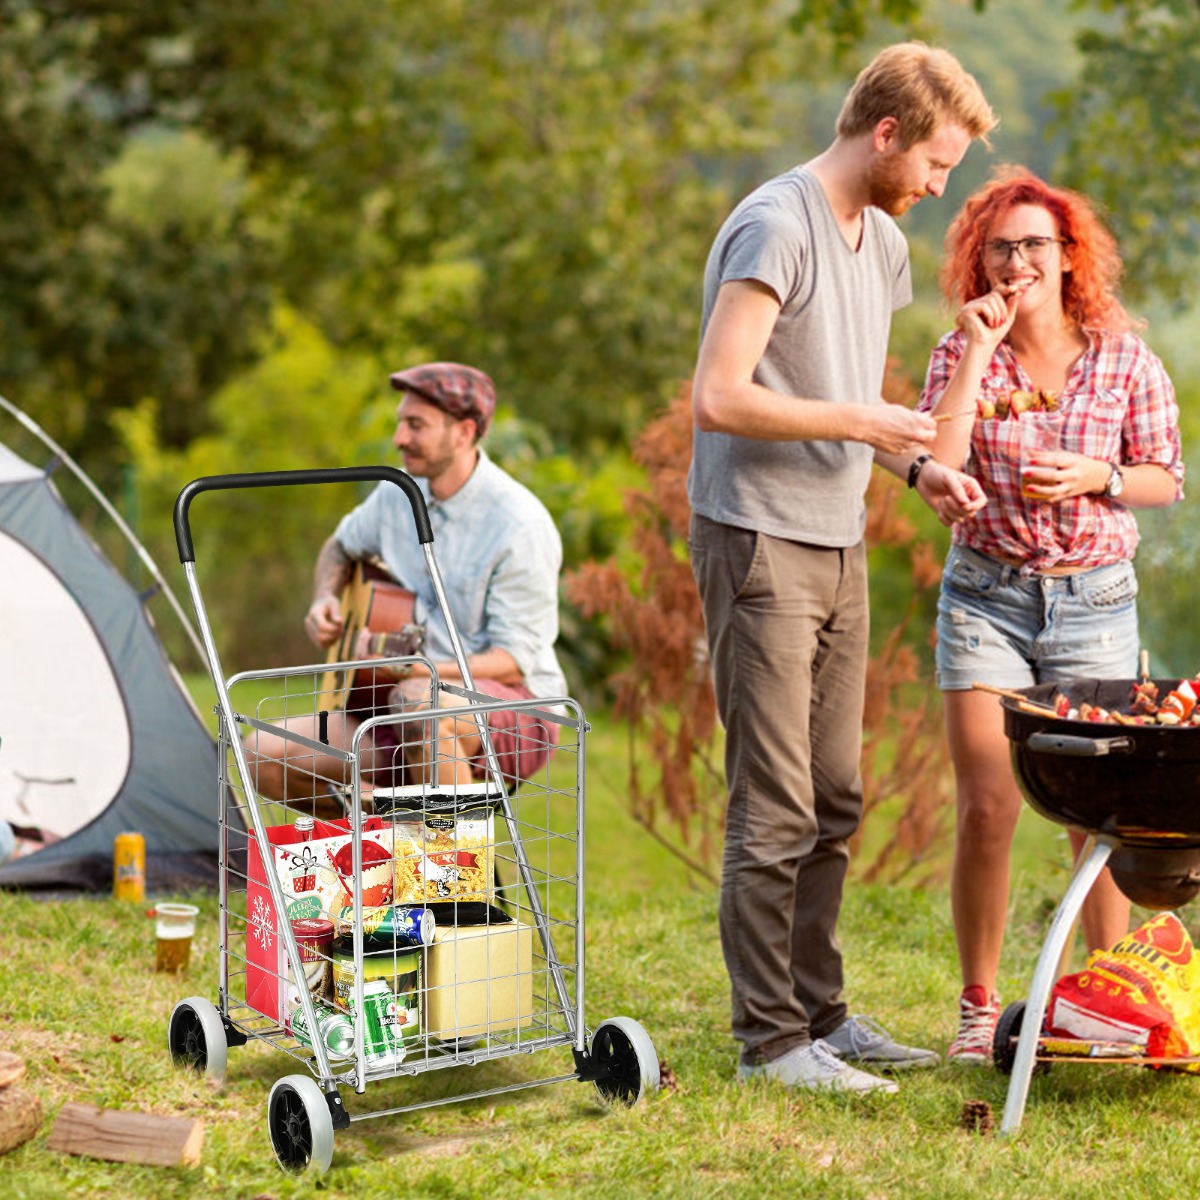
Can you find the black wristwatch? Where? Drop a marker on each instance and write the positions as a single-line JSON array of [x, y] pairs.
[[915, 468], [1116, 483]]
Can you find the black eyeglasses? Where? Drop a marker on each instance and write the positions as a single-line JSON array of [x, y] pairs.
[[1034, 250]]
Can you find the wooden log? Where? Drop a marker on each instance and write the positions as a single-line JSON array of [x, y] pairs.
[[12, 1068], [127, 1136], [20, 1118]]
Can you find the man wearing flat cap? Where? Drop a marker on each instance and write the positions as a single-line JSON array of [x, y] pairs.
[[499, 555]]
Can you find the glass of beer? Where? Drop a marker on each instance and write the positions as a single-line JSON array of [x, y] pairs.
[[1039, 433], [174, 927]]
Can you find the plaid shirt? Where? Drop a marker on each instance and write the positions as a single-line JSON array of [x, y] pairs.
[[1118, 406]]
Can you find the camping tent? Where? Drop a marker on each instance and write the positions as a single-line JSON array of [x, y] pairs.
[[97, 734]]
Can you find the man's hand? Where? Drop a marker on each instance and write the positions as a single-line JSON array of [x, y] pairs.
[[952, 494], [323, 622], [894, 429]]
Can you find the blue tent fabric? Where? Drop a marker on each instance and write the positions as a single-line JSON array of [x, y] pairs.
[[169, 790]]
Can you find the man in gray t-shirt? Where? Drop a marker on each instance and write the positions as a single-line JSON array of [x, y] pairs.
[[798, 294]]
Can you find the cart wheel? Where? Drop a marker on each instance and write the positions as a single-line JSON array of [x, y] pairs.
[[624, 1047], [1004, 1040], [196, 1038], [300, 1125]]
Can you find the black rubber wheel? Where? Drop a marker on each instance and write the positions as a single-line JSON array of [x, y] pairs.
[[1004, 1040], [300, 1125], [196, 1038], [623, 1047]]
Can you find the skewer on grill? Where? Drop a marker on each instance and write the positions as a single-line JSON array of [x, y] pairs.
[[1023, 702]]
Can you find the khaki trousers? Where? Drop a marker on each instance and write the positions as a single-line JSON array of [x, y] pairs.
[[787, 628]]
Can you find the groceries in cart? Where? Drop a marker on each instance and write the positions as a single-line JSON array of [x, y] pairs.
[[479, 973], [456, 964], [384, 1036], [444, 840], [1143, 994]]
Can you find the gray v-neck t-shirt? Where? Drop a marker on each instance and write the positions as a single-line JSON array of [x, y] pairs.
[[829, 343]]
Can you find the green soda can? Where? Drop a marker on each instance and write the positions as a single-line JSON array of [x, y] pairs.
[[335, 1029], [401, 924], [381, 1029]]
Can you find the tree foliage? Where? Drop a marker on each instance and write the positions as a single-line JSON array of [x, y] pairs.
[[531, 186], [1134, 121], [100, 309], [525, 186]]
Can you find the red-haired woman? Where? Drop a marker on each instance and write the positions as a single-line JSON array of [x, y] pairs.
[[1039, 585]]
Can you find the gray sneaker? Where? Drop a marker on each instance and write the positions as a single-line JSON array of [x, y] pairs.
[[858, 1039], [817, 1068]]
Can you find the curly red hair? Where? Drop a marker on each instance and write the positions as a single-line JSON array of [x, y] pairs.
[[1089, 288]]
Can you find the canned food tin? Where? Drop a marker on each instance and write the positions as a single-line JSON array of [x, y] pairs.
[[129, 867], [399, 969], [314, 940], [406, 924], [336, 1029]]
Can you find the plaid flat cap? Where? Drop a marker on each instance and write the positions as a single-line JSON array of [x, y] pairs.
[[463, 392]]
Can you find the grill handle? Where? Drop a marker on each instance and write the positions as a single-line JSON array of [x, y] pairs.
[[1078, 747]]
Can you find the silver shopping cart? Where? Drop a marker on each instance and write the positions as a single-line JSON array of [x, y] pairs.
[[376, 926]]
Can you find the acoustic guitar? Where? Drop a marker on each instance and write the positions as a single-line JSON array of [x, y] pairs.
[[373, 601]]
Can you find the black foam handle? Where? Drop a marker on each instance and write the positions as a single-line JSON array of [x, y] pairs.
[[216, 483]]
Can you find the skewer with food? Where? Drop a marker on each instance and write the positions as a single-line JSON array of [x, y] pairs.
[[1180, 706]]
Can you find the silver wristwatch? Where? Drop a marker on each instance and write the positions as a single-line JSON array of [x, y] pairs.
[[1116, 483]]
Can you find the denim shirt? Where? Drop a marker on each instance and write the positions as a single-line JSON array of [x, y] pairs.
[[499, 555]]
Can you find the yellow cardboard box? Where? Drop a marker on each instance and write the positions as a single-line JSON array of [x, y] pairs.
[[478, 979]]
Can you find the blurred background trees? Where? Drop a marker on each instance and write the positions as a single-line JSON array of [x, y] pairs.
[[227, 220]]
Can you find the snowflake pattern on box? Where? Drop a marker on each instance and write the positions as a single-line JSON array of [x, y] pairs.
[[263, 920]]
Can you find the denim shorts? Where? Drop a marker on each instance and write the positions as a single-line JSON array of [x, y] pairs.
[[998, 627]]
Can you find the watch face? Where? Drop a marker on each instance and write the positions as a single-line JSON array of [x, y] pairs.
[[1116, 483]]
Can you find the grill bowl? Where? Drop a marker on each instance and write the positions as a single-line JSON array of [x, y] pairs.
[[1139, 785]]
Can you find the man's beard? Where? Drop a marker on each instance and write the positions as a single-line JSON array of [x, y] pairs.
[[437, 461], [888, 188]]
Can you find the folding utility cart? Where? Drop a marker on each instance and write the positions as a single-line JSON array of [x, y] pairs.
[[377, 926]]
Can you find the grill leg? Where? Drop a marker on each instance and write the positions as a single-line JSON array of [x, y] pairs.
[[1044, 978]]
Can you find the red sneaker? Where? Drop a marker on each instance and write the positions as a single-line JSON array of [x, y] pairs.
[[977, 1017]]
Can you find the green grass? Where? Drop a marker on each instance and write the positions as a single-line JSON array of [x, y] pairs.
[[80, 1001]]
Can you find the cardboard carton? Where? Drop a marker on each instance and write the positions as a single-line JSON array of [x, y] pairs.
[[478, 979]]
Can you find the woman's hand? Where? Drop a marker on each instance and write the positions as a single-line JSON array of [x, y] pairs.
[[987, 319], [1060, 474]]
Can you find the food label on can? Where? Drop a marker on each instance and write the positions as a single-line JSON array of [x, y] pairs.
[[314, 940], [399, 971], [405, 924]]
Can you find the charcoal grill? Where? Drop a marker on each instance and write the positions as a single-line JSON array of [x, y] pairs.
[[1133, 789]]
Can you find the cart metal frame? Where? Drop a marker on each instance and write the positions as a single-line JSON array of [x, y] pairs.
[[304, 1110]]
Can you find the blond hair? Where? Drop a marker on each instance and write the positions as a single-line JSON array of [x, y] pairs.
[[921, 87]]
